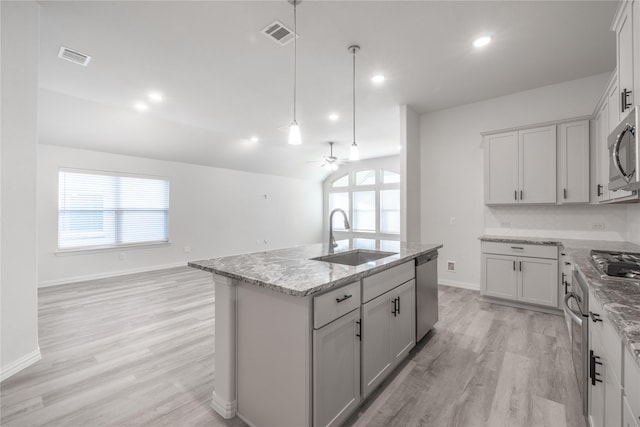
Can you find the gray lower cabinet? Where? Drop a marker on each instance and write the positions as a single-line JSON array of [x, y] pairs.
[[336, 370], [388, 333]]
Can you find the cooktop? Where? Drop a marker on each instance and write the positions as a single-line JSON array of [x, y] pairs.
[[623, 265]]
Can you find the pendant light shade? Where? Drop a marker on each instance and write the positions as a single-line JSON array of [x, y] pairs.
[[354, 153], [295, 136]]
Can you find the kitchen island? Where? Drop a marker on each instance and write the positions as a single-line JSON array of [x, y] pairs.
[[292, 332]]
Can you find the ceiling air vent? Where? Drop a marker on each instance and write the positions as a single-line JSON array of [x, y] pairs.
[[74, 56], [278, 33]]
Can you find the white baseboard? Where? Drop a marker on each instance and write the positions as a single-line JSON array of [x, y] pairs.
[[223, 407], [76, 279], [18, 365], [463, 285]]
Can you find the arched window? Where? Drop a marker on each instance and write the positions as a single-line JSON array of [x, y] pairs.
[[371, 199]]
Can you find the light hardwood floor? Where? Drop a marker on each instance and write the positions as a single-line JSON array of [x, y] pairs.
[[139, 350]]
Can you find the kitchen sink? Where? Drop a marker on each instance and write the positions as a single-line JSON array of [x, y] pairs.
[[355, 257]]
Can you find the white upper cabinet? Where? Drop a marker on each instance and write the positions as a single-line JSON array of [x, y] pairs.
[[602, 153], [573, 162], [623, 25], [537, 165], [501, 168], [517, 167]]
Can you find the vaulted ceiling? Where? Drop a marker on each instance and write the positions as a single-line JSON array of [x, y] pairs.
[[224, 81]]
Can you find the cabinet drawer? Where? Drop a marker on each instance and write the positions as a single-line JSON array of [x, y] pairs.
[[632, 383], [386, 280], [518, 249], [338, 302]]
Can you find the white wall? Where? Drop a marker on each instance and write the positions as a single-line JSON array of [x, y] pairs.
[[633, 223], [214, 211], [452, 176], [409, 175], [19, 297]]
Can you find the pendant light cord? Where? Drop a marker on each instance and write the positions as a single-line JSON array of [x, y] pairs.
[[295, 57], [354, 95]]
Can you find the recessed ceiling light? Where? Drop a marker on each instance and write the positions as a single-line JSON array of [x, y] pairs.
[[377, 78], [482, 41], [254, 139], [155, 96], [333, 117], [141, 106]]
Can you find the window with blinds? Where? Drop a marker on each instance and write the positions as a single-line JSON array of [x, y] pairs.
[[98, 210]]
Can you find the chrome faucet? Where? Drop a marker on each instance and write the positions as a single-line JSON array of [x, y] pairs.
[[332, 241]]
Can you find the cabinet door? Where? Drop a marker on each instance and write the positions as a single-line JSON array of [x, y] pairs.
[[376, 339], [612, 397], [625, 54], [573, 164], [602, 153], [499, 276], [537, 150], [614, 104], [538, 282], [628, 418], [501, 168], [403, 322], [336, 370]]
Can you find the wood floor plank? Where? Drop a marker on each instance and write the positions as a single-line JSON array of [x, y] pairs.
[[138, 350]]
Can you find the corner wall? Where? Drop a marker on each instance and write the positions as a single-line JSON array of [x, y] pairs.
[[213, 212], [452, 189], [19, 85]]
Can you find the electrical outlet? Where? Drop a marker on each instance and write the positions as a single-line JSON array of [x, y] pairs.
[[505, 224], [122, 256], [452, 220], [187, 249], [599, 226], [451, 266]]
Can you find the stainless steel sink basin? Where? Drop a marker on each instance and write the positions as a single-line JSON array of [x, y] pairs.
[[355, 257]]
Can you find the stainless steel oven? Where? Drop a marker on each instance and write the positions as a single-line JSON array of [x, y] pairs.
[[624, 154], [576, 308]]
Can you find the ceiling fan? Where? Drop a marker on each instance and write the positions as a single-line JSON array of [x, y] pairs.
[[330, 162]]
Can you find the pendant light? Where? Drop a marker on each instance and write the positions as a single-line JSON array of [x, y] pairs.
[[354, 153], [295, 138]]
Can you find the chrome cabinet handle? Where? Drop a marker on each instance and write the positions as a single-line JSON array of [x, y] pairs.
[[398, 305], [514, 265], [565, 193], [346, 297], [595, 317], [359, 334], [521, 195], [515, 194], [599, 190], [395, 310], [517, 247], [625, 99]]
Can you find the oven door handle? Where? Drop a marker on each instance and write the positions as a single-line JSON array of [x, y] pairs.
[[575, 317]]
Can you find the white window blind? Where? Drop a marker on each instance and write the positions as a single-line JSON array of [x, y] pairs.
[[107, 210]]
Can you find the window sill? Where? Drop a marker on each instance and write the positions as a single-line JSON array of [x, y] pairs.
[[101, 249]]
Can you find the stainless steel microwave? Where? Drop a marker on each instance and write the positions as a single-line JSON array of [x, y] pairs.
[[624, 154]]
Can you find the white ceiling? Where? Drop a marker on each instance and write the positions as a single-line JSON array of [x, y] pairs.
[[224, 81]]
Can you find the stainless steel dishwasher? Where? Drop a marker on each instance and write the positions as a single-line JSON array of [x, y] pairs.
[[426, 293]]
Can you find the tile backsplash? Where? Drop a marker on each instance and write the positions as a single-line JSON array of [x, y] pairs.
[[597, 222]]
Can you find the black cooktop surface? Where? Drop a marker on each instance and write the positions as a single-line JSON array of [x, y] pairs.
[[624, 265]]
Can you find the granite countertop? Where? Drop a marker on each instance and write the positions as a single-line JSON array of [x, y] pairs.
[[619, 298], [291, 271]]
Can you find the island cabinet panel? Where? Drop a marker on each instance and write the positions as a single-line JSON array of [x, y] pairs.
[[632, 386], [628, 417], [403, 332], [382, 282], [376, 338], [273, 353], [336, 370], [328, 307], [388, 333]]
